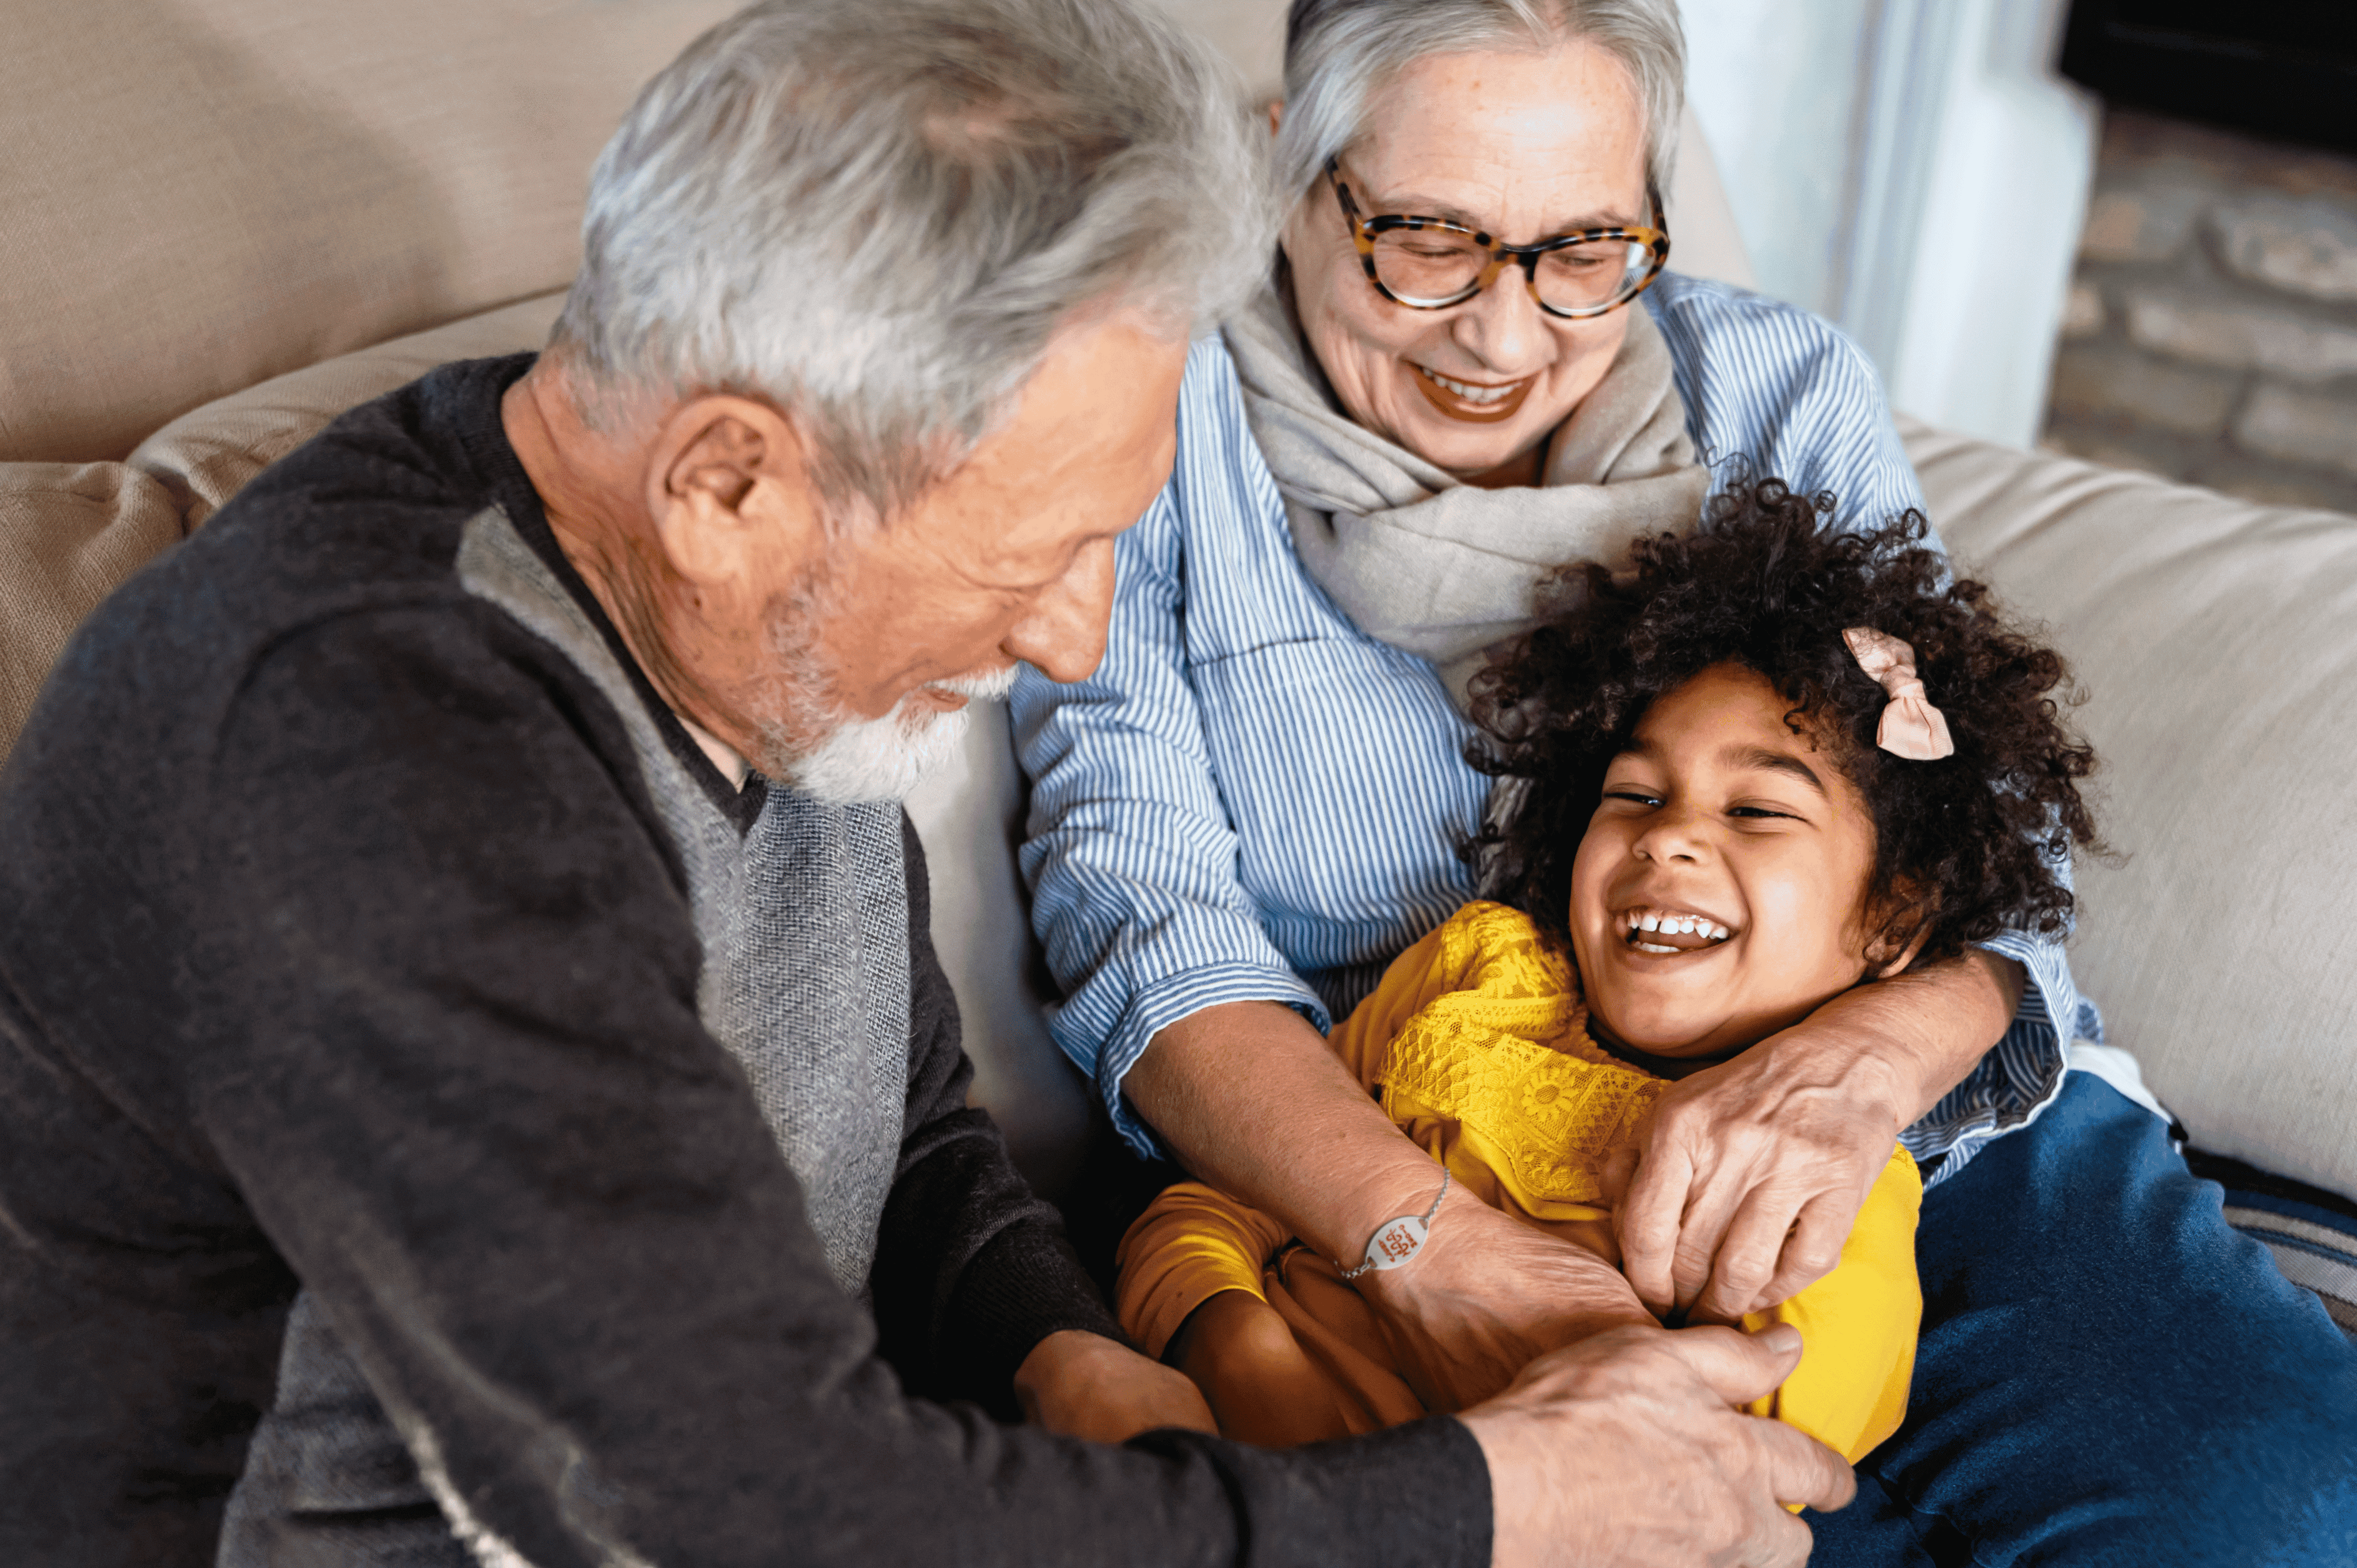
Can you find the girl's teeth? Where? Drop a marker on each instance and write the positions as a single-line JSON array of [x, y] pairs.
[[1676, 926]]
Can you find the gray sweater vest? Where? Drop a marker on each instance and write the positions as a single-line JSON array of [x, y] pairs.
[[804, 919]]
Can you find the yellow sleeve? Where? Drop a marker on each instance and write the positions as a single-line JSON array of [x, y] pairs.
[[1432, 968], [1858, 1326], [1192, 1244]]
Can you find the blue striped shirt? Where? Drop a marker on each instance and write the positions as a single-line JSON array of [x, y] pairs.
[[1252, 800]]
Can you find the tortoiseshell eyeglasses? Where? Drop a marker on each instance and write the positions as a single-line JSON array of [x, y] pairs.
[[1430, 263]]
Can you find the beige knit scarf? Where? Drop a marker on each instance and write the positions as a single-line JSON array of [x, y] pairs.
[[1426, 562]]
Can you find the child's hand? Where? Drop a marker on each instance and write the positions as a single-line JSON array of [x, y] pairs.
[[1084, 1385]]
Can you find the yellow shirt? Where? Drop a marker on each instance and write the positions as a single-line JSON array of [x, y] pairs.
[[1476, 1043]]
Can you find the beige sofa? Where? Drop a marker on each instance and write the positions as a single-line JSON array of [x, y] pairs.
[[228, 220]]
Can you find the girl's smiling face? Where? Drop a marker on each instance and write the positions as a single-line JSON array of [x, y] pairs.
[[1719, 894]]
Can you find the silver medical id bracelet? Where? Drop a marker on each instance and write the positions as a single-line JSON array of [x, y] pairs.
[[1395, 1241]]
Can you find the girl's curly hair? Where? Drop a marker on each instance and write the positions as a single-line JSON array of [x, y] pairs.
[[1977, 840]]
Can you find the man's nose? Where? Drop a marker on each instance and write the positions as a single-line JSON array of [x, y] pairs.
[[1063, 635]]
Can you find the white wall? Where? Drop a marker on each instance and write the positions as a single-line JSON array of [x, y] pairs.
[[1775, 84], [1914, 171]]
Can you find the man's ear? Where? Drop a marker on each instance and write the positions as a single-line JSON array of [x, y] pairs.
[[1276, 114], [729, 490]]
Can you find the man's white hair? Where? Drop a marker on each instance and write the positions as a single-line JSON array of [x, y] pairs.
[[875, 213], [1339, 53]]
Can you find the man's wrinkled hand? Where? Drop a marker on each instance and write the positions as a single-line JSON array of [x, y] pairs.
[[1486, 1294], [1626, 1451], [1084, 1385]]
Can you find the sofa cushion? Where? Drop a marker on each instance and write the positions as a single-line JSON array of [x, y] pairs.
[[68, 534], [2218, 642], [204, 193], [969, 816], [205, 456]]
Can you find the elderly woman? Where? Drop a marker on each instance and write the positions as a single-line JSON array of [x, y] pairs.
[[1468, 369]]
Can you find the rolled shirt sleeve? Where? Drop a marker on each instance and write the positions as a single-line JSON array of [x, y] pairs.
[[1131, 854]]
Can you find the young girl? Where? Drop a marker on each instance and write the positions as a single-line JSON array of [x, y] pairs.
[[1773, 764]]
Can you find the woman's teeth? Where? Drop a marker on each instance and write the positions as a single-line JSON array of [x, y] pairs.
[[1686, 925], [1470, 392]]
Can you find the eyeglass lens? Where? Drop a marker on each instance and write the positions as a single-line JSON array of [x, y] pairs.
[[1433, 266]]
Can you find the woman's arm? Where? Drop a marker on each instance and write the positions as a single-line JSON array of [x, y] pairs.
[[1756, 1169], [1256, 1104], [1130, 856]]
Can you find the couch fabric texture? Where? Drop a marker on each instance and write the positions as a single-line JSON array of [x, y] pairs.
[[202, 193], [2217, 641]]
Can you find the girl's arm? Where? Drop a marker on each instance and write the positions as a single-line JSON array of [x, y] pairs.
[[1192, 1244]]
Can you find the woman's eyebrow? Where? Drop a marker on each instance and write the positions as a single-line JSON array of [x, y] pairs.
[[1763, 758], [1412, 205]]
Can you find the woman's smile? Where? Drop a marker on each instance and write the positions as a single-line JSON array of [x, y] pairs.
[[1522, 145], [1477, 403]]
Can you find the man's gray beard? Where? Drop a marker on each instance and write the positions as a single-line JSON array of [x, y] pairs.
[[851, 759]]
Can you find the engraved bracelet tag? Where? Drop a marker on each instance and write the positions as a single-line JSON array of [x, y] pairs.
[[1395, 1243]]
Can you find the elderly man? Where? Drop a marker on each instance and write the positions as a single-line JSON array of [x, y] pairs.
[[476, 1079]]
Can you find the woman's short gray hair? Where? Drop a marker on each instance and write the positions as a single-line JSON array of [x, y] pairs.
[[1339, 53], [875, 213]]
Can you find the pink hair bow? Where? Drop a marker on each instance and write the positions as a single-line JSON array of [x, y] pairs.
[[1910, 727]]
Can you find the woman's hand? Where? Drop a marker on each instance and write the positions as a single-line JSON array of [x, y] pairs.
[[1756, 1169], [1754, 1172], [1084, 1385], [1486, 1294], [1257, 1104]]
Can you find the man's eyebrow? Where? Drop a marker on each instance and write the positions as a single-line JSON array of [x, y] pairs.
[[1414, 206], [1762, 757]]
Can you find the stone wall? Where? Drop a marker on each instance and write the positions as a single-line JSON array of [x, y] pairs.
[[2212, 334]]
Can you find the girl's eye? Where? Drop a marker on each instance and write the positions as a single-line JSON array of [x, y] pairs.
[[1637, 796], [1755, 812]]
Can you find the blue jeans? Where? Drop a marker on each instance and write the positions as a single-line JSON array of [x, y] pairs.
[[2108, 1374]]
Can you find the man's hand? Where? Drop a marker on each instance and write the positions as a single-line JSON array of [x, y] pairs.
[[1486, 1294], [1625, 1451], [1084, 1385], [1755, 1169]]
